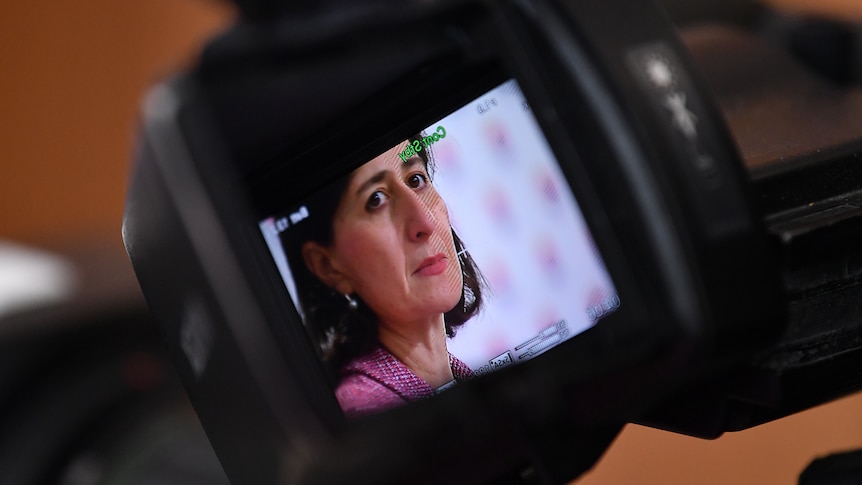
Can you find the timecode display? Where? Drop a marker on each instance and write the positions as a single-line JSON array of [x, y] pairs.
[[607, 305]]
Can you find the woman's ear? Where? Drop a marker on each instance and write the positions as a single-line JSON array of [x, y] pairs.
[[318, 259]]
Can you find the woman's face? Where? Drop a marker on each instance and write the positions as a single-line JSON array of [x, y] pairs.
[[393, 243]]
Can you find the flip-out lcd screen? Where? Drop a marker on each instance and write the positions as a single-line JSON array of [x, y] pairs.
[[457, 252]]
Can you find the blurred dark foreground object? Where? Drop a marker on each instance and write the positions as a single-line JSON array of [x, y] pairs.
[[87, 395], [837, 469]]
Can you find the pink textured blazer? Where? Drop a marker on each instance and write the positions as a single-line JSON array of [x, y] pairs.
[[378, 381]]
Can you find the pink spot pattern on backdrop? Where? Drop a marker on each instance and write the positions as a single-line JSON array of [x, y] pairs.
[[597, 295], [498, 207], [447, 157], [548, 187], [546, 318], [499, 279], [498, 138], [548, 258]]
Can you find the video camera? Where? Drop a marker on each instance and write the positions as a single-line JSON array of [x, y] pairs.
[[543, 194]]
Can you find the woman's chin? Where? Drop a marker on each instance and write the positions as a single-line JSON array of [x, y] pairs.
[[445, 303], [444, 295]]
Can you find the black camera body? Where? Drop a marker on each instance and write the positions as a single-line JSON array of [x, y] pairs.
[[281, 106]]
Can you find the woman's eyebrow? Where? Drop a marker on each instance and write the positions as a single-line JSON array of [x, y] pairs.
[[411, 162], [379, 176], [374, 179]]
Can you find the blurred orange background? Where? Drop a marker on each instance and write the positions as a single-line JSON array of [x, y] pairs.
[[844, 9], [71, 79]]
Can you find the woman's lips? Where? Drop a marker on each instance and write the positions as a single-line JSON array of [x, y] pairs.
[[432, 265]]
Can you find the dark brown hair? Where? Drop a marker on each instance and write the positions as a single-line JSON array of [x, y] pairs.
[[342, 333]]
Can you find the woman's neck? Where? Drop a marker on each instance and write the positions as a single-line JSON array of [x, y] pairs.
[[421, 346]]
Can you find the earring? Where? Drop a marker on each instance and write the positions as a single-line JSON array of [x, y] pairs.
[[351, 302]]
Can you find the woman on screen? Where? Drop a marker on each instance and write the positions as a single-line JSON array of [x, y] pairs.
[[382, 280]]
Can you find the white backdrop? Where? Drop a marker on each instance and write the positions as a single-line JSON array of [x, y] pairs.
[[512, 207]]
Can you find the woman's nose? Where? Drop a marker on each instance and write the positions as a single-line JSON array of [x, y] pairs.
[[420, 218]]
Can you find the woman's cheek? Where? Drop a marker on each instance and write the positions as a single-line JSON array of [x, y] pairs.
[[358, 247], [369, 250], [438, 206], [351, 246]]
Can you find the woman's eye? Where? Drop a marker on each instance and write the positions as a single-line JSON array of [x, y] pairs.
[[417, 180], [376, 200]]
